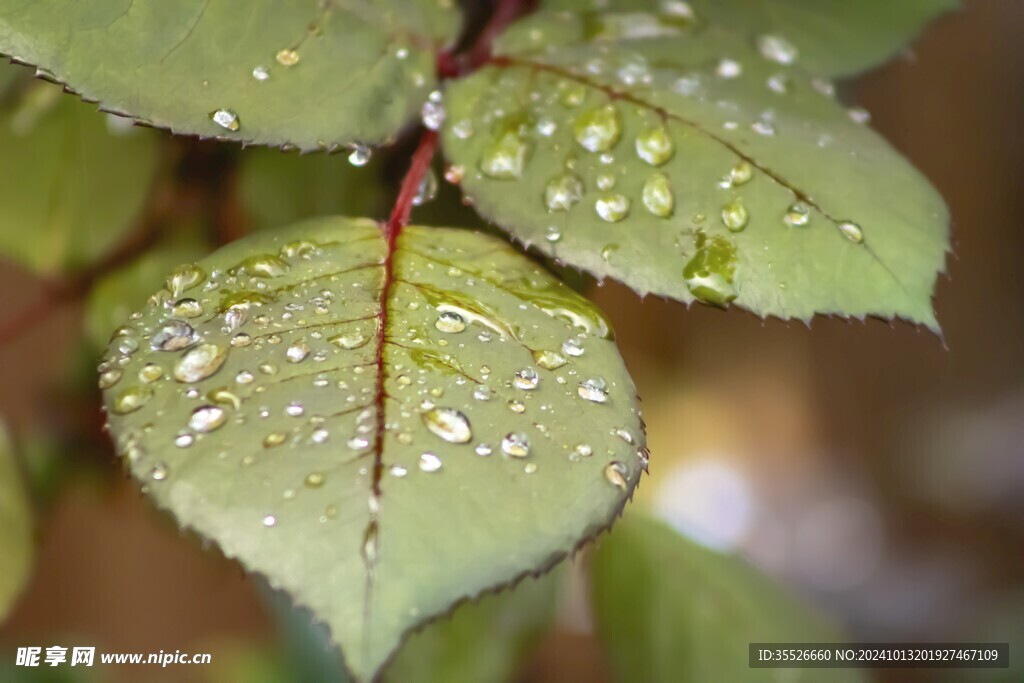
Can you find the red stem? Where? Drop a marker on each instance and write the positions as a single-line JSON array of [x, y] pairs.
[[421, 159], [505, 12]]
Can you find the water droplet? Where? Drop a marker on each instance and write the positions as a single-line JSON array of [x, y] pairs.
[[657, 195], [270, 521], [174, 336], [728, 68], [199, 363], [526, 379], [607, 251], [798, 214], [583, 450], [265, 265], [349, 340], [708, 274], [516, 444], [615, 472], [109, 378], [859, 115], [184, 278], [226, 118], [763, 127], [735, 215], [207, 418], [287, 57], [294, 409], [463, 129], [297, 352], [505, 158], [314, 480], [274, 439], [131, 399], [455, 173], [562, 192], [549, 360], [260, 73], [187, 308], [398, 471], [778, 83], [612, 207], [433, 112], [482, 393], [430, 462], [593, 389], [160, 472], [740, 174], [450, 322], [448, 423], [851, 231], [605, 181], [655, 146], [530, 467], [552, 233], [516, 406], [483, 449], [777, 49], [571, 347], [598, 129], [360, 155]]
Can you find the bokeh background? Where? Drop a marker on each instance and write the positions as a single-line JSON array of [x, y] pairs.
[[874, 469]]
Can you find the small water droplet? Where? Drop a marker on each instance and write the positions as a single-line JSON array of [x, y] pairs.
[[735, 215], [657, 195], [448, 424], [851, 231], [562, 192], [398, 471], [615, 472], [740, 174], [798, 214], [430, 462], [426, 191], [207, 418], [226, 118], [728, 68], [297, 352], [269, 521], [131, 399], [593, 389], [350, 340], [199, 363], [455, 173], [763, 127], [287, 57], [260, 73], [655, 146], [450, 322], [483, 449], [549, 360], [482, 393], [360, 155], [598, 129], [160, 472], [174, 336], [571, 347], [516, 406], [314, 480], [109, 378], [274, 439], [516, 444], [777, 49], [612, 207], [526, 379], [583, 450], [433, 112], [859, 115], [552, 233], [505, 158], [530, 467]]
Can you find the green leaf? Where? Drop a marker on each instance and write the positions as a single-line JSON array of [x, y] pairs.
[[832, 37], [482, 642], [278, 188], [306, 73], [72, 182], [668, 610], [342, 458], [15, 529], [612, 155]]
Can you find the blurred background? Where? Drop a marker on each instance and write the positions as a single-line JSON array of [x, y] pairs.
[[874, 469]]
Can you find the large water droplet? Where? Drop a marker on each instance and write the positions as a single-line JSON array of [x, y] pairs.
[[297, 352], [184, 278], [526, 379], [430, 462], [598, 129], [612, 207], [571, 347], [263, 265], [562, 192], [505, 158], [615, 472], [708, 274], [426, 191], [851, 231], [350, 340], [360, 155], [593, 389], [199, 363], [226, 118], [735, 215], [655, 146], [516, 444], [657, 195], [549, 360], [207, 418], [174, 336], [450, 322], [448, 423]]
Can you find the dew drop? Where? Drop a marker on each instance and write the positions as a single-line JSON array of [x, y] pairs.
[[612, 207], [598, 129], [482, 393], [264, 266], [426, 191], [562, 192], [851, 231], [160, 472], [226, 118], [740, 174], [270, 521], [174, 336], [571, 347], [433, 112], [448, 424], [131, 399], [735, 215], [798, 214], [398, 471], [109, 378], [657, 195], [655, 146], [260, 73], [552, 233], [314, 480], [349, 340], [207, 418], [199, 363], [430, 462], [615, 472], [287, 57], [516, 444], [583, 450], [549, 360], [360, 155], [450, 322], [297, 352], [593, 389], [709, 273], [505, 158], [516, 406], [184, 278], [859, 115], [777, 49], [728, 68], [274, 439]]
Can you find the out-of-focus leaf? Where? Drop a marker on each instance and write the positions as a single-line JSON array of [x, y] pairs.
[[71, 179], [831, 37], [676, 158], [378, 447], [306, 73], [279, 189], [15, 528], [669, 610]]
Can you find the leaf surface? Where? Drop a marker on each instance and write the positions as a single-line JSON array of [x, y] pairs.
[[670, 610], [15, 529], [71, 181], [378, 446], [678, 159], [304, 72]]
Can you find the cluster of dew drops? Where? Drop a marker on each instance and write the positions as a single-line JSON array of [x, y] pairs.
[[197, 359]]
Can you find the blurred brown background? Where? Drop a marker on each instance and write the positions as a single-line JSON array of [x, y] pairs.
[[875, 468]]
